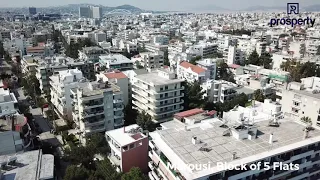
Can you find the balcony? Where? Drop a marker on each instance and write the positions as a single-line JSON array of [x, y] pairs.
[[91, 114], [117, 101], [117, 125], [95, 129], [154, 92], [93, 105], [118, 116]]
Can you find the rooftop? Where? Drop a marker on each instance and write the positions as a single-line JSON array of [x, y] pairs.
[[194, 68], [30, 165], [176, 142], [115, 75], [125, 135], [154, 78]]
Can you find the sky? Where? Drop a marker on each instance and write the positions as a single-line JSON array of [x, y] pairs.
[[170, 5]]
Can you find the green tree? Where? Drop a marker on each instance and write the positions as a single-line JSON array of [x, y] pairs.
[[80, 155], [258, 95], [266, 60], [105, 170], [224, 73], [74, 172], [144, 120], [195, 59], [254, 58], [130, 114], [134, 174], [98, 144], [166, 58], [31, 85], [193, 96], [306, 119]]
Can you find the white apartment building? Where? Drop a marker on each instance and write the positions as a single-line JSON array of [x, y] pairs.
[[302, 100], [97, 107], [5, 34], [244, 136], [261, 47], [158, 93], [149, 59], [210, 65], [191, 73], [206, 49], [298, 49], [50, 66], [233, 55], [118, 78], [312, 45], [96, 12], [116, 62], [7, 102], [219, 90], [61, 83]]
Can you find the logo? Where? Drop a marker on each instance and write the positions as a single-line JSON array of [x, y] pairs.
[[292, 9]]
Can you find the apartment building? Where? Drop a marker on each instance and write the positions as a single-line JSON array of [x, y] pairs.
[[191, 73], [261, 47], [158, 93], [8, 103], [302, 100], [206, 49], [129, 148], [91, 53], [84, 12], [210, 65], [118, 78], [233, 55], [50, 66], [97, 107], [29, 64], [156, 47], [298, 49], [219, 90], [61, 83], [149, 59], [241, 137], [115, 61], [161, 40]]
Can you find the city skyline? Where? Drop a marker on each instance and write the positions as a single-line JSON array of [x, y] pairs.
[[177, 5]]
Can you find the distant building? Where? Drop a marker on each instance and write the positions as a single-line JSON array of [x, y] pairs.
[[32, 10], [96, 12], [84, 12], [129, 148]]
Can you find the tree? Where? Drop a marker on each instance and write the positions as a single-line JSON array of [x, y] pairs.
[[134, 174], [193, 96], [105, 170], [306, 119], [130, 115], [166, 58], [254, 58], [144, 120], [266, 60], [74, 172], [98, 144], [31, 85], [194, 60], [224, 73], [258, 95]]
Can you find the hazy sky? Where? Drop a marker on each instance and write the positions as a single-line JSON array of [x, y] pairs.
[[161, 4]]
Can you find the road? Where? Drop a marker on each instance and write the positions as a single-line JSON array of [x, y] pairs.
[[40, 120]]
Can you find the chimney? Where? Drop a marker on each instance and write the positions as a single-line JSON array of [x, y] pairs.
[[185, 128], [271, 138], [234, 155]]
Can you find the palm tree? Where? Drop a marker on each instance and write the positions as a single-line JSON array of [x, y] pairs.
[[306, 119]]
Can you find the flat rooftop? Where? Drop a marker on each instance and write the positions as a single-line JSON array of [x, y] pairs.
[[154, 78], [30, 165], [125, 138], [176, 142]]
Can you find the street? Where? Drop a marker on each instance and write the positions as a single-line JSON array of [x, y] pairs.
[[40, 120]]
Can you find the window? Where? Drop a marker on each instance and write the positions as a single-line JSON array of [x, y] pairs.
[[296, 103], [166, 87], [161, 95], [131, 146], [161, 89]]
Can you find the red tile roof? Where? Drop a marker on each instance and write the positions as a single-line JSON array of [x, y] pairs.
[[234, 66], [194, 68], [188, 113], [115, 75], [211, 113]]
